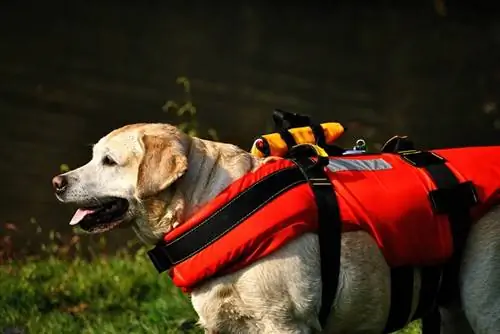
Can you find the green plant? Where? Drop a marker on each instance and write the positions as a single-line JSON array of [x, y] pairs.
[[186, 111]]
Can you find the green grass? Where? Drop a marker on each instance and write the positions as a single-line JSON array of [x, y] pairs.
[[118, 294], [122, 294]]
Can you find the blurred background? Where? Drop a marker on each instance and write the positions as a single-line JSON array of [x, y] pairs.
[[71, 71]]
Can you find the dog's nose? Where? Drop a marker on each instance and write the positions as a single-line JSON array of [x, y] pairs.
[[59, 183]]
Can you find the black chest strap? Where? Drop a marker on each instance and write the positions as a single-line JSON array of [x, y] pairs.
[[455, 199], [329, 232], [166, 255]]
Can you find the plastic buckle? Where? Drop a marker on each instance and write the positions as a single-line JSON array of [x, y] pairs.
[[421, 158], [320, 181], [445, 200]]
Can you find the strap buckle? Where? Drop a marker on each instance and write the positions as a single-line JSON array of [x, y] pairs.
[[320, 181], [445, 200], [303, 152], [421, 158]]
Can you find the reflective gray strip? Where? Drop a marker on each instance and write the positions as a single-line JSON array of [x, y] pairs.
[[337, 165]]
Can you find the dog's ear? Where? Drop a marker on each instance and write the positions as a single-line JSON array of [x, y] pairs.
[[164, 160]]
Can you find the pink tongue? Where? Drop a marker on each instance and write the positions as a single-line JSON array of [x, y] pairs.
[[79, 215]]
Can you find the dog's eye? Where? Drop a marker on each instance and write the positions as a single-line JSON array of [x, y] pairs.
[[107, 161]]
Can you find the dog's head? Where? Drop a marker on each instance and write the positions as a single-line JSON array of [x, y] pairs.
[[131, 168]]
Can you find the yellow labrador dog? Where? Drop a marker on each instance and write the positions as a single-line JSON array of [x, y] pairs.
[[152, 177]]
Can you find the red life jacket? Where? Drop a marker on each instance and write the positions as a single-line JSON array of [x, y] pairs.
[[377, 193]]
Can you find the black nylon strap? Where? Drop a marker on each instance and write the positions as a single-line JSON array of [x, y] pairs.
[[287, 138], [431, 323], [455, 199], [227, 218], [319, 135], [431, 278], [402, 286], [402, 279], [451, 197], [284, 120], [329, 233]]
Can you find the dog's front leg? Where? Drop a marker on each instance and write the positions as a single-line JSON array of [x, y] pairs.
[[278, 294]]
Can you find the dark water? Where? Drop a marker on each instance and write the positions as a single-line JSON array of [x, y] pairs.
[[72, 71]]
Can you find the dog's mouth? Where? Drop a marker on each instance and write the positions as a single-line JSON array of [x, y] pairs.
[[103, 217]]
